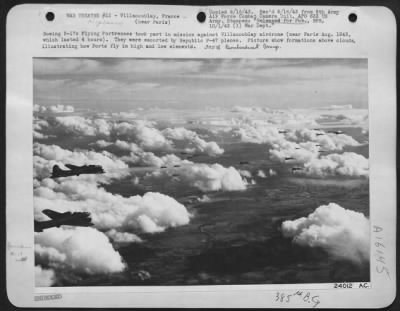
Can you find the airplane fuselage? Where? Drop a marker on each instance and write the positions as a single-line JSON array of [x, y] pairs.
[[68, 219], [76, 171]]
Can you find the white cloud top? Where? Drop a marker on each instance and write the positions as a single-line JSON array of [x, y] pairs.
[[81, 249], [211, 148], [212, 177], [343, 233], [44, 277], [345, 164]]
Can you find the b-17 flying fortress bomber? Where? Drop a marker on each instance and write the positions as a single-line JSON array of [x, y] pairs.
[[76, 170], [81, 219]]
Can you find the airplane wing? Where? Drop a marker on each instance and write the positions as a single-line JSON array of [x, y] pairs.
[[82, 219], [72, 167], [52, 214]]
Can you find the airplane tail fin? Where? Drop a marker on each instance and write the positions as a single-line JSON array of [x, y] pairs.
[[52, 214], [56, 169]]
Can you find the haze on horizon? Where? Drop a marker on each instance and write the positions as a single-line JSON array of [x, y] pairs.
[[121, 84]]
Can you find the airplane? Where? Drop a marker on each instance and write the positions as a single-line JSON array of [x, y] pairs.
[[193, 155], [244, 162], [289, 158], [296, 169], [76, 170], [282, 132], [319, 134], [175, 175], [322, 151], [297, 148], [81, 219], [336, 132], [163, 167], [177, 166]]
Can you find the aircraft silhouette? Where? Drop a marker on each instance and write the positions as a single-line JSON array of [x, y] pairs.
[[282, 132], [319, 134], [296, 169], [244, 162], [336, 132], [76, 170], [289, 158], [80, 219]]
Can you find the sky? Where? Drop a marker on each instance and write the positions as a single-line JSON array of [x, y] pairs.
[[121, 84]]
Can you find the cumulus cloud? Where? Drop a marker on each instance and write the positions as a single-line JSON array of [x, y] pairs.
[[123, 237], [124, 115], [150, 159], [303, 147], [211, 148], [280, 127], [245, 173], [54, 108], [60, 108], [39, 108], [206, 177], [205, 199], [327, 141], [343, 233], [143, 133], [81, 249], [38, 135], [252, 132], [44, 277], [337, 107], [295, 153], [81, 126], [272, 172], [261, 174], [250, 109], [127, 146], [38, 126], [102, 143], [345, 164]]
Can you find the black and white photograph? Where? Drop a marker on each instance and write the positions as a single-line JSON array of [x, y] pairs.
[[203, 171]]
